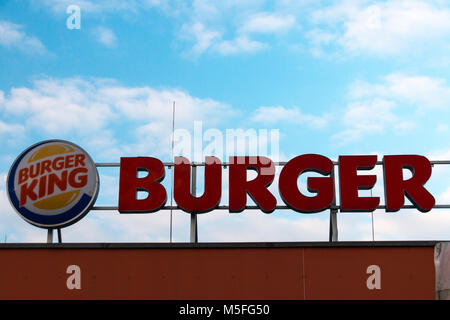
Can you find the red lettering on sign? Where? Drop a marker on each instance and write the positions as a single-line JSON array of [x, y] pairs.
[[27, 191], [58, 163], [396, 188], [79, 160], [54, 180], [69, 161], [324, 186], [42, 186], [23, 175], [77, 179], [350, 182], [34, 170], [45, 167], [256, 188], [130, 183], [213, 185]]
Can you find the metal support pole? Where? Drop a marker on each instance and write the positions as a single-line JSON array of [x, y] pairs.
[[49, 235], [193, 232], [373, 228], [333, 225], [59, 235], [333, 235]]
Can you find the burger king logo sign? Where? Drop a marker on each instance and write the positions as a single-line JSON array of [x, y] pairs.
[[53, 184]]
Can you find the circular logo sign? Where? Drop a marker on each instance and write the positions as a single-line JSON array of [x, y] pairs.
[[53, 184]]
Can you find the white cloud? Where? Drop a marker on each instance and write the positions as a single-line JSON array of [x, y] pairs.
[[91, 103], [13, 36], [320, 37], [241, 44], [203, 38], [152, 104], [106, 37], [439, 155], [202, 24], [422, 91], [214, 27], [268, 22], [395, 103], [442, 128], [11, 129], [58, 106], [10, 132], [231, 27], [367, 117], [275, 114], [207, 40], [370, 27], [97, 110], [413, 225], [444, 197], [12, 227], [385, 28]]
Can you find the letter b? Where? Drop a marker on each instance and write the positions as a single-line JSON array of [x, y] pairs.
[[129, 184]]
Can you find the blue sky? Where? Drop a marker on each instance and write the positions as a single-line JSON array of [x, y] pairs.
[[334, 77]]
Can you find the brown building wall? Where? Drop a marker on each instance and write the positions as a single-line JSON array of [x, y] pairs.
[[240, 271]]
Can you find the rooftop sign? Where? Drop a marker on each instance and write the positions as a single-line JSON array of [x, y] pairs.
[[396, 187], [54, 183]]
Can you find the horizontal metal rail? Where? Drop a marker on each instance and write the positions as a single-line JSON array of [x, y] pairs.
[[280, 207]]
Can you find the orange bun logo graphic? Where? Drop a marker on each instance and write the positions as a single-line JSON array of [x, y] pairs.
[[53, 184]]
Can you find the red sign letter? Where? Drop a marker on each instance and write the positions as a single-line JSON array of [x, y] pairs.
[[129, 185], [27, 191], [322, 185], [256, 188], [396, 188], [350, 182], [213, 185]]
